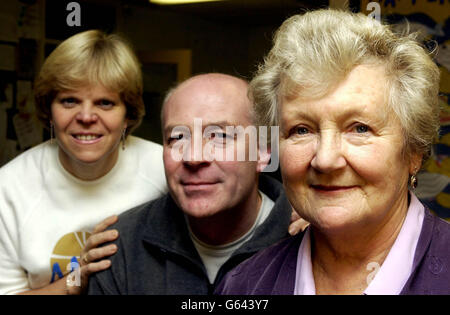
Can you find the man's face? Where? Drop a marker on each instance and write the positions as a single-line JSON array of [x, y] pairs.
[[200, 185]]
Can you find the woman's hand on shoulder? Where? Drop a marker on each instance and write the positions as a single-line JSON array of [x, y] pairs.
[[92, 257]]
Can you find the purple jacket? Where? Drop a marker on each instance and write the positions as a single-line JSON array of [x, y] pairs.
[[272, 270]]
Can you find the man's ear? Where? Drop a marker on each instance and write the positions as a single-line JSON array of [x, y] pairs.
[[263, 159]]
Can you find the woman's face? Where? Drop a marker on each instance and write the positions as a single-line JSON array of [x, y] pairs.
[[88, 124], [341, 155]]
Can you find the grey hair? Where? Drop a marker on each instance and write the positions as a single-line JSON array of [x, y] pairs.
[[315, 51]]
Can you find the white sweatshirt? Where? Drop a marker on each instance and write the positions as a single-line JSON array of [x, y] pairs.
[[46, 214]]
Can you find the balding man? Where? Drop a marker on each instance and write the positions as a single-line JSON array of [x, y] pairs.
[[219, 211]]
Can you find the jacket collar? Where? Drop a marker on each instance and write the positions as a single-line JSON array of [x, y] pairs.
[[166, 229], [166, 226], [275, 227], [285, 284], [424, 238], [422, 247]]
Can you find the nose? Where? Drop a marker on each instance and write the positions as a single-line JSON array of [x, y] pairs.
[[87, 114], [328, 156], [195, 157], [194, 165]]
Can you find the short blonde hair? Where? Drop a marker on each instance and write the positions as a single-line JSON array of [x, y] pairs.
[[91, 58], [315, 51]]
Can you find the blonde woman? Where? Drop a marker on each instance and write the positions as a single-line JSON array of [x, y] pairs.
[[53, 196]]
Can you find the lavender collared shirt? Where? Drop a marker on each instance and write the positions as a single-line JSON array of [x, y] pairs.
[[391, 275]]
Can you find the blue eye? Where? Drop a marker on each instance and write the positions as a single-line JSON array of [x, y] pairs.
[[361, 128], [301, 130]]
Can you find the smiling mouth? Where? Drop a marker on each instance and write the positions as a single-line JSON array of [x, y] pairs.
[[86, 137], [198, 183], [323, 188], [198, 187]]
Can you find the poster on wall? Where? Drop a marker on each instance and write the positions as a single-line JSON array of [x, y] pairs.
[[431, 18], [20, 33]]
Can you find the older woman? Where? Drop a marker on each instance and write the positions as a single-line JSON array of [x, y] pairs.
[[357, 109], [89, 93]]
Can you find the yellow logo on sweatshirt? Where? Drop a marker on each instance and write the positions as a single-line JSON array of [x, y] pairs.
[[66, 253]]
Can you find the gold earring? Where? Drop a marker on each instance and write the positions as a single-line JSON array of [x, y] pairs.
[[413, 181]]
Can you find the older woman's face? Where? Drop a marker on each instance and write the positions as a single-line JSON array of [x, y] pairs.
[[341, 155], [88, 124]]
